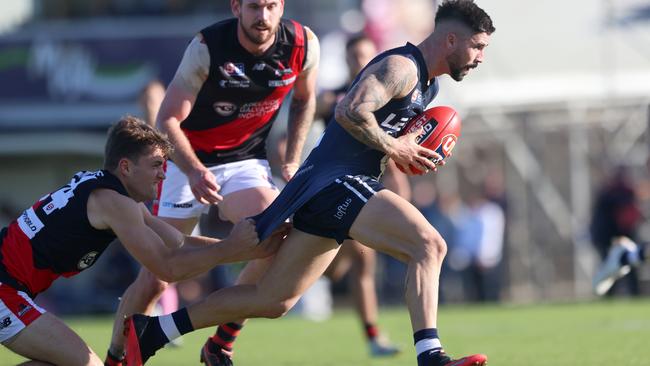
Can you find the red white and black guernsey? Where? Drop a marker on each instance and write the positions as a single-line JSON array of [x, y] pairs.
[[240, 99], [54, 238]]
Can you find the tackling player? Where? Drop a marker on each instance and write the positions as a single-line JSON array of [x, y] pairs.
[[66, 231]]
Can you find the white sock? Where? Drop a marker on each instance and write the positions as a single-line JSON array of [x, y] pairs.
[[168, 326], [427, 344]]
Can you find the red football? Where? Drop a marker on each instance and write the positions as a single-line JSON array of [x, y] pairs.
[[441, 126]]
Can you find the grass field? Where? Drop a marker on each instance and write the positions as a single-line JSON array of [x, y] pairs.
[[596, 333]]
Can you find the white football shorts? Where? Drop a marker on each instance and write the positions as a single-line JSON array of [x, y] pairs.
[[175, 198]]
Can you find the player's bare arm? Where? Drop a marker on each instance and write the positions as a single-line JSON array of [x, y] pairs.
[[238, 246], [165, 251], [176, 106], [302, 107], [393, 77]]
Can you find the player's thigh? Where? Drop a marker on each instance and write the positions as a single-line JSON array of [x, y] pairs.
[[49, 339], [301, 260], [390, 224], [362, 256], [246, 202]]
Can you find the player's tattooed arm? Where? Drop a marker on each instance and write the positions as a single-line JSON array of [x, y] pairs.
[[393, 77]]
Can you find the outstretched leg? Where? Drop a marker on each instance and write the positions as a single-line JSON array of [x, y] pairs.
[[406, 235], [297, 265]]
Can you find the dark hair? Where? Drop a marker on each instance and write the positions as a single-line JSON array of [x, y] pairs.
[[354, 39], [466, 12], [131, 138]]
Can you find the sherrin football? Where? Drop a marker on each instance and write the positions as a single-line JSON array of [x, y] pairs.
[[441, 126]]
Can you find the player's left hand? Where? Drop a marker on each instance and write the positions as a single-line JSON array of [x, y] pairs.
[[244, 245], [289, 170], [271, 244]]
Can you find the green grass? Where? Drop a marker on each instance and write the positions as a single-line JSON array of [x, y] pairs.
[[595, 333]]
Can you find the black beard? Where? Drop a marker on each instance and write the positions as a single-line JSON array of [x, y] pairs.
[[253, 38], [457, 74]]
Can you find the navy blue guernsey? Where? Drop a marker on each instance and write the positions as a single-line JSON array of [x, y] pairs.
[[237, 104], [339, 153], [54, 237]]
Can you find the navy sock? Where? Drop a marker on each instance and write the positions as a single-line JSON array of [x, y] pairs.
[[182, 320], [427, 346], [152, 339], [163, 329]]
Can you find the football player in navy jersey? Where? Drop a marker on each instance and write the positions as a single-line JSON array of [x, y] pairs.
[[355, 258], [336, 195], [218, 111], [66, 231]]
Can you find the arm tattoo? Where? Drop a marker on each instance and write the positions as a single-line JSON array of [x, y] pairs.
[[372, 92]]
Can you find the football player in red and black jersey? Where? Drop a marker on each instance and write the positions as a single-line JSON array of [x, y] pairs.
[[66, 231]]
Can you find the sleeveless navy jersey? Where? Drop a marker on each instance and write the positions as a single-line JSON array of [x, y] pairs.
[[240, 99], [54, 238], [339, 154]]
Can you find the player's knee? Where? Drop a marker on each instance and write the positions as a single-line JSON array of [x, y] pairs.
[[434, 246]]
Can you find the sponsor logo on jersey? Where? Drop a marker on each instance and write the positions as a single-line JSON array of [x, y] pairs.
[[87, 260], [233, 69], [5, 323], [283, 82], [22, 309], [258, 109], [281, 72], [234, 83], [177, 205], [49, 208], [224, 109], [342, 209], [260, 66], [29, 223]]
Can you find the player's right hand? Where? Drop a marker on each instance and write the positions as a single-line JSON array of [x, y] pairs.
[[407, 152], [204, 186], [245, 245]]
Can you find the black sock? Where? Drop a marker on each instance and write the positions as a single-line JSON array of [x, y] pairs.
[[160, 330], [182, 320], [151, 335]]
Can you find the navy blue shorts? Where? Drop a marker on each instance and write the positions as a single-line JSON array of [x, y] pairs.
[[331, 212]]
